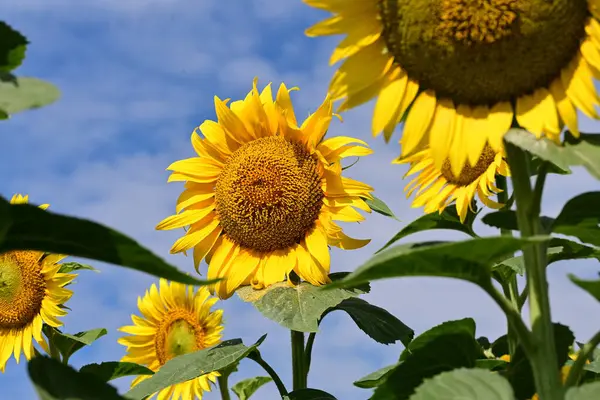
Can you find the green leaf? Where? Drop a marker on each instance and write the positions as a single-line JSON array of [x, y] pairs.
[[380, 207], [465, 384], [542, 148], [338, 276], [592, 287], [30, 228], [12, 47], [66, 268], [500, 346], [69, 344], [444, 348], [298, 307], [584, 151], [448, 219], [309, 394], [589, 391], [107, 371], [25, 94], [376, 322], [519, 371], [374, 379], [551, 168], [469, 260], [192, 365], [246, 388], [54, 380], [491, 364], [580, 217], [571, 251], [507, 219], [517, 264]]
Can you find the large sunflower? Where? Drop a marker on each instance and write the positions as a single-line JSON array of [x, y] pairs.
[[31, 294], [438, 187], [175, 320], [465, 68], [262, 195]]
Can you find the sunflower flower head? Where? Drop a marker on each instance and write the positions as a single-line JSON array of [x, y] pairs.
[[460, 71], [263, 194], [175, 320], [31, 294], [436, 188]]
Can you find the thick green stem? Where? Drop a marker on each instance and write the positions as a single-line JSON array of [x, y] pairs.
[[308, 351], [255, 356], [543, 357], [298, 362], [224, 386], [511, 287], [584, 354]]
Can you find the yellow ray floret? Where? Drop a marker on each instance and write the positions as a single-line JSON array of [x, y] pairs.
[[262, 195]]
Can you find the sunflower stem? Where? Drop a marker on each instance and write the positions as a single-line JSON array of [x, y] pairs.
[[224, 386], [582, 357], [256, 357], [308, 351], [543, 354], [512, 286], [298, 361]]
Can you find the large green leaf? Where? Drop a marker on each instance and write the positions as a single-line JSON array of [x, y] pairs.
[[507, 219], [54, 380], [375, 379], [580, 217], [465, 384], [30, 228], [444, 348], [519, 371], [26, 93], [448, 219], [68, 344], [309, 394], [193, 365], [380, 207], [107, 371], [592, 287], [491, 364], [571, 250], [584, 151], [542, 148], [246, 388], [12, 47], [68, 267], [469, 260], [376, 322], [298, 308], [589, 391]]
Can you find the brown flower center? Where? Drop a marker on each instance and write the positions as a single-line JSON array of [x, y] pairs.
[[22, 288], [179, 333], [480, 52], [470, 174], [269, 194]]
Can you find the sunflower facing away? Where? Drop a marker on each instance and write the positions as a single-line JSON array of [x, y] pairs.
[[263, 193], [438, 187], [31, 293], [175, 320], [465, 68]]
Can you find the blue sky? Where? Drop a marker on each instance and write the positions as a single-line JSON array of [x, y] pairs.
[[136, 77]]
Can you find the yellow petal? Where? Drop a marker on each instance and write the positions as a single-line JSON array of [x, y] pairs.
[[418, 122], [186, 218], [316, 243], [566, 110], [389, 101]]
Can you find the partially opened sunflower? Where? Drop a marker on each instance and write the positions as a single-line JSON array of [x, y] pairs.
[[175, 319], [31, 293], [465, 68], [263, 194]]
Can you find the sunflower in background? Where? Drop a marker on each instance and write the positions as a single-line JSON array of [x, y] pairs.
[[262, 196], [31, 294], [465, 68], [175, 320]]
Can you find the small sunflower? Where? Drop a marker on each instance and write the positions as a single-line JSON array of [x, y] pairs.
[[263, 193], [465, 68], [438, 187], [175, 320], [31, 294]]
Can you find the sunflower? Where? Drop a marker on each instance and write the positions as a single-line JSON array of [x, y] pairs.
[[31, 294], [438, 187], [461, 70], [263, 193], [175, 320]]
